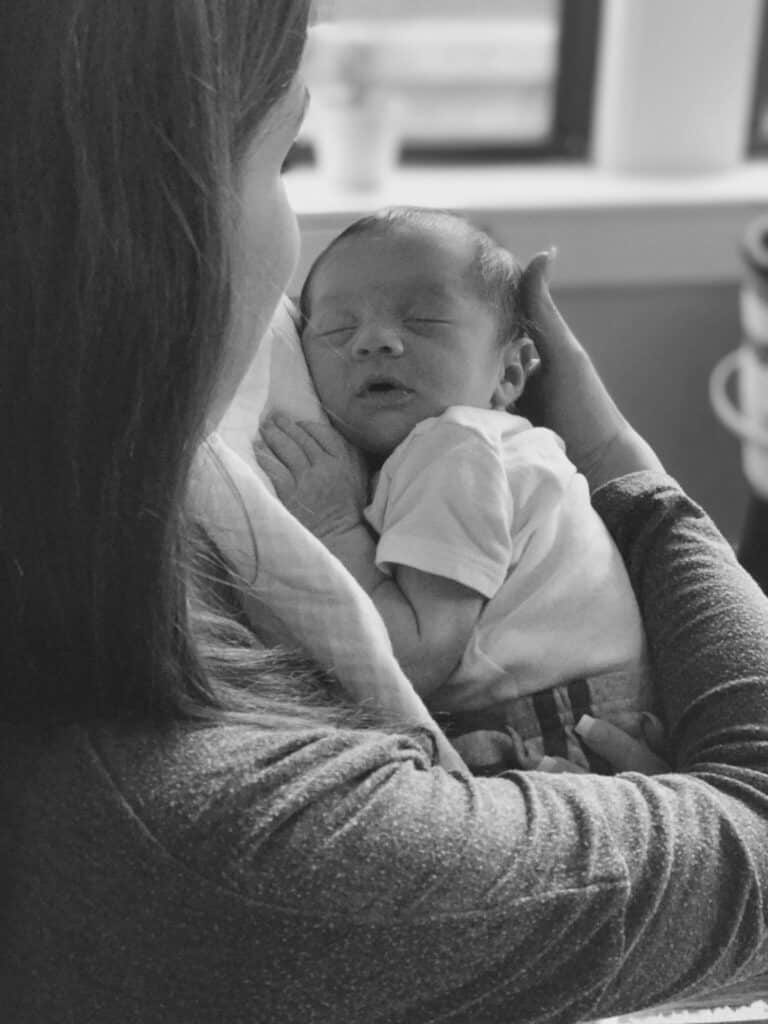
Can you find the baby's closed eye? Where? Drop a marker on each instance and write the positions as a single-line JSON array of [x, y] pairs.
[[426, 325], [330, 330]]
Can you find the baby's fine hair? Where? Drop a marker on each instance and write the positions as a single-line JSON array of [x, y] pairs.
[[494, 272]]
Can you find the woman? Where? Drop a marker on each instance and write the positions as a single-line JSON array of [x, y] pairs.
[[199, 831]]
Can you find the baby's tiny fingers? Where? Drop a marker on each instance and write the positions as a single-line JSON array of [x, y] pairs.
[[279, 474], [283, 445], [324, 435], [297, 432]]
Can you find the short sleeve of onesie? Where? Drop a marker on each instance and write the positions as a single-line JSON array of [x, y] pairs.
[[442, 505]]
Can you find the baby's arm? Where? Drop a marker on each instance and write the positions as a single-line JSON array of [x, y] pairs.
[[429, 618]]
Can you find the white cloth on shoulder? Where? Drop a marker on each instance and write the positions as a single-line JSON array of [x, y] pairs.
[[277, 380]]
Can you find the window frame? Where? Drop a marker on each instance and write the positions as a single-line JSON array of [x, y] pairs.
[[572, 113], [574, 92], [759, 147]]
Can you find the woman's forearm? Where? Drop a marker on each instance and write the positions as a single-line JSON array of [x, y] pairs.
[[706, 621]]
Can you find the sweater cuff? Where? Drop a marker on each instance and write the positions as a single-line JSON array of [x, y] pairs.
[[616, 499]]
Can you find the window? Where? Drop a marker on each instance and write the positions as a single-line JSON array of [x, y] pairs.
[[759, 146], [513, 79]]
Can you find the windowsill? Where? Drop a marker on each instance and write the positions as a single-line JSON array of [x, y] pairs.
[[610, 229]]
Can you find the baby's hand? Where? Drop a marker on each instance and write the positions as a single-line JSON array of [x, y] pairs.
[[318, 477]]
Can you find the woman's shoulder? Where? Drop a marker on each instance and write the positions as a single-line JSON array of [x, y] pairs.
[[179, 772], [237, 806], [245, 803]]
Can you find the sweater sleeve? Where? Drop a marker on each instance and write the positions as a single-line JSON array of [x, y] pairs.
[[707, 626], [395, 891], [706, 618], [572, 897]]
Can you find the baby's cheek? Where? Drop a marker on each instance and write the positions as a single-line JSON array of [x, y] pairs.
[[326, 365], [325, 381]]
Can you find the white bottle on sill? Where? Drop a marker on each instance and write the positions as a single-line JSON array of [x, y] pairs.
[[358, 141]]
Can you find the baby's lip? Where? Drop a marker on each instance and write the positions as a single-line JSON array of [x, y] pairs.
[[380, 384]]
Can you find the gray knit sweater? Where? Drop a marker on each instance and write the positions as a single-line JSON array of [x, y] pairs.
[[230, 875]]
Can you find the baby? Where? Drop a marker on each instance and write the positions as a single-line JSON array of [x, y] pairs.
[[506, 601]]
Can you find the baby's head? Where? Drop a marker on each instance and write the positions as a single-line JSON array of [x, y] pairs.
[[408, 312]]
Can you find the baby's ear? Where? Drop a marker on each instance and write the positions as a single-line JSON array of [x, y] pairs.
[[519, 360]]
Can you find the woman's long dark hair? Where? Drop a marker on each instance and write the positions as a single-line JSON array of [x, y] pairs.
[[122, 123]]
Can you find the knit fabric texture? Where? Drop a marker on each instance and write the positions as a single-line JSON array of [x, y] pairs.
[[234, 874]]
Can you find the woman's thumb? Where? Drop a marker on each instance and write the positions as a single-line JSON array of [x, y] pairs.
[[534, 288]]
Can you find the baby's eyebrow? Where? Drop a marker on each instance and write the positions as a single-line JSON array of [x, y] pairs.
[[432, 290], [330, 310], [338, 303], [444, 296]]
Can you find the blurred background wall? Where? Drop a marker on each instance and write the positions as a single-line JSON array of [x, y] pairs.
[[655, 347]]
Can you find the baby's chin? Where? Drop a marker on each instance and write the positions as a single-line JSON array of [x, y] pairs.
[[377, 449], [375, 445]]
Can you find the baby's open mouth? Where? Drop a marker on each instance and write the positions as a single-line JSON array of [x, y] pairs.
[[382, 386]]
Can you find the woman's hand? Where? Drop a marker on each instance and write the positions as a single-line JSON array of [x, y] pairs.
[[623, 752], [320, 479], [567, 395]]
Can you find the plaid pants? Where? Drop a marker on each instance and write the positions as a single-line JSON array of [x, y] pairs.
[[519, 732]]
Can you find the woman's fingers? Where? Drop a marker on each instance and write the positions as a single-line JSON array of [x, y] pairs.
[[567, 394], [551, 397], [622, 751], [655, 734], [559, 766], [546, 325]]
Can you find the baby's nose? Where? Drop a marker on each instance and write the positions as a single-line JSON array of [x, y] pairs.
[[376, 340]]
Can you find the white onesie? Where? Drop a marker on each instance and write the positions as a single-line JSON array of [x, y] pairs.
[[484, 498]]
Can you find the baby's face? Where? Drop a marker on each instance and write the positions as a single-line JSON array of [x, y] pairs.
[[396, 335]]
